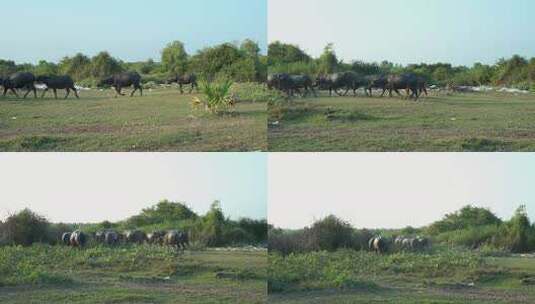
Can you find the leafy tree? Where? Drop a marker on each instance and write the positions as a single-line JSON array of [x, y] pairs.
[[78, 67], [328, 62], [104, 65], [465, 218], [25, 228], [281, 53], [175, 58], [213, 224], [332, 233]]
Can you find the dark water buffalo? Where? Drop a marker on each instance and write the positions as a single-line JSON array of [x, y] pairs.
[[111, 238], [78, 239], [123, 80], [291, 84], [302, 82], [156, 237], [333, 82], [58, 83], [186, 79], [378, 244], [279, 81], [177, 239], [66, 238], [135, 236], [342, 83], [377, 82], [422, 86], [99, 236], [411, 243], [21, 80], [408, 82]]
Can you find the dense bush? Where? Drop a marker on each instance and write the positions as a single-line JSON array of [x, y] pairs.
[[25, 228]]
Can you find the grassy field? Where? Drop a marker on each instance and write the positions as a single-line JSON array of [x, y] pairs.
[[461, 122], [362, 277], [44, 274], [162, 120]]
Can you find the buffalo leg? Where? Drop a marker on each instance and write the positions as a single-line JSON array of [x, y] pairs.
[[14, 92], [68, 93], [44, 92], [192, 87], [135, 89], [75, 92], [140, 90], [27, 93], [55, 93], [181, 91]]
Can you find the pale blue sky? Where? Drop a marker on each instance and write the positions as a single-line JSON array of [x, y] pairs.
[[401, 31], [391, 190], [129, 29], [95, 187]]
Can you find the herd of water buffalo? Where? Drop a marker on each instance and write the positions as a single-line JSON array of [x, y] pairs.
[[342, 83], [382, 245], [172, 238], [26, 80]]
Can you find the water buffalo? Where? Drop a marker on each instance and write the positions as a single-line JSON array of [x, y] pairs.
[[21, 80], [422, 86], [58, 83], [378, 244], [156, 237], [135, 236], [338, 82], [111, 238], [123, 80], [176, 239], [99, 236], [377, 82], [333, 82], [407, 82], [298, 82], [185, 79], [78, 239], [66, 238], [412, 243], [281, 82]]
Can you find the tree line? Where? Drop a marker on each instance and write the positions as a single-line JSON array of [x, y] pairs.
[[212, 229], [242, 62], [470, 227], [515, 72]]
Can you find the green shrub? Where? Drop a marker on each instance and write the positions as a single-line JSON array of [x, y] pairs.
[[25, 228], [217, 96]]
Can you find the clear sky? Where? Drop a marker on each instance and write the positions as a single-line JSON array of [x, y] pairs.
[[87, 187], [129, 29], [402, 31], [383, 190]]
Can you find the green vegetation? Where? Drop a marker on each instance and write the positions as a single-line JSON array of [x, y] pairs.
[[471, 257], [242, 63], [218, 97], [137, 274], [475, 122], [444, 276], [36, 267], [517, 72], [162, 120], [210, 230]]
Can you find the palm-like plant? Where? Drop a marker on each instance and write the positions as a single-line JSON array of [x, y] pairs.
[[217, 96]]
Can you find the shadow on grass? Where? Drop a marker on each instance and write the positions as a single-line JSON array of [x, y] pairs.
[[484, 145], [33, 144], [302, 113]]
